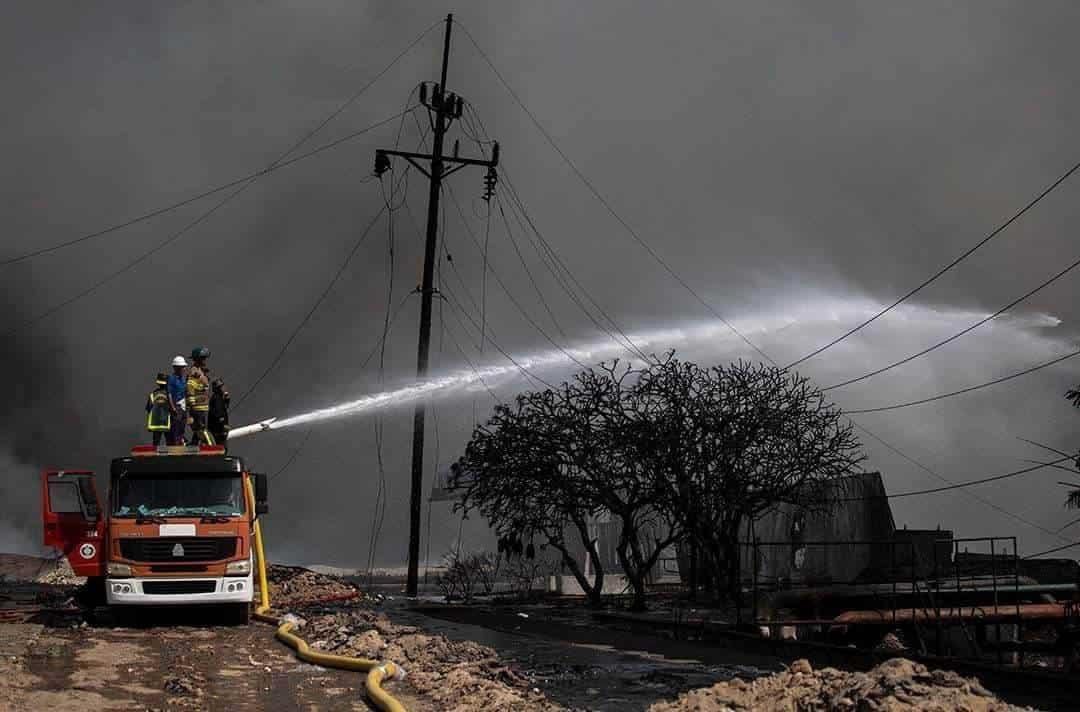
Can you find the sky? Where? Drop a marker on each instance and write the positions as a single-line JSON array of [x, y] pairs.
[[797, 164]]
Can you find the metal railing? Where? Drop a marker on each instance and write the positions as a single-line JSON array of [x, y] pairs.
[[965, 600]]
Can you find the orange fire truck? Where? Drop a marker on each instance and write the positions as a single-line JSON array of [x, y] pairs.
[[176, 530]]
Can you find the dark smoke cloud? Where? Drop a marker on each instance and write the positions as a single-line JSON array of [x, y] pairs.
[[778, 155]]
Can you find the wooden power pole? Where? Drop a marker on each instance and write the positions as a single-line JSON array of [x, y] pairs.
[[444, 107]]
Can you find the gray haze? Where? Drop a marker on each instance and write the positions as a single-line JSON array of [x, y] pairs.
[[787, 159]]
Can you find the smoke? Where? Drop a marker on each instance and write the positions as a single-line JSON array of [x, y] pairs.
[[38, 421], [797, 164]]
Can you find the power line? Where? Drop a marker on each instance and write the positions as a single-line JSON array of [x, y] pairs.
[[604, 202], [386, 208], [622, 339], [518, 209], [528, 272], [1053, 551], [968, 483], [994, 233], [957, 335], [246, 183], [363, 365], [973, 495], [129, 265], [296, 451], [671, 272], [456, 305], [467, 360], [274, 165], [629, 345], [521, 309], [314, 307], [969, 389], [381, 492], [678, 278], [502, 285], [514, 300]]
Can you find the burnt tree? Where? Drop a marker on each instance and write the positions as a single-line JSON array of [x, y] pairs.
[[735, 441], [563, 456], [514, 472]]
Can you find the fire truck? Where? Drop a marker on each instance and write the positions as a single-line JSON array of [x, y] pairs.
[[176, 528]]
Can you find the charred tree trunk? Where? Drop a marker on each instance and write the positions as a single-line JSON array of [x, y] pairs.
[[635, 573]]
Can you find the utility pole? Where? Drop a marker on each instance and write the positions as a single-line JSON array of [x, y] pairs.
[[443, 108]]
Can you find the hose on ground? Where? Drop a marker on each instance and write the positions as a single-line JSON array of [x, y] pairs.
[[377, 672]]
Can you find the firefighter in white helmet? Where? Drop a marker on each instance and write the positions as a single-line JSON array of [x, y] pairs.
[[177, 386]]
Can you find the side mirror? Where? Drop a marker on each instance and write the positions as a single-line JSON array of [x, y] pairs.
[[261, 496]]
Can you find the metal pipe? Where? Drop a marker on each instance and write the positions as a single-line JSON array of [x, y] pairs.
[[1028, 611]]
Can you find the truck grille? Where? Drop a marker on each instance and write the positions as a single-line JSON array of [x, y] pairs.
[[175, 588], [207, 548]]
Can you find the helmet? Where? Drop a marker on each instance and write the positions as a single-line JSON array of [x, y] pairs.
[[200, 352], [161, 379], [179, 361]]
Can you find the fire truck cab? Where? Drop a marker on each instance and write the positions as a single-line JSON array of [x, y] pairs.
[[176, 527]]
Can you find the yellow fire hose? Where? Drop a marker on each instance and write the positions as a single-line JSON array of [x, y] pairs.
[[376, 672]]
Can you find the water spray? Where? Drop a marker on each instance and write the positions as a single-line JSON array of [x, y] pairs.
[[712, 336]]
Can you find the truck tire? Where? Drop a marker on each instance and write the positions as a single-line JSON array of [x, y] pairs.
[[124, 616], [92, 593], [238, 614]]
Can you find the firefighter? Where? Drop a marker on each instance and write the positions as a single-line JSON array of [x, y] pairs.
[[177, 393], [159, 410], [198, 396], [218, 415]]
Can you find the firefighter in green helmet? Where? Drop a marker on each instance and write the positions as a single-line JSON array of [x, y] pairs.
[[159, 408], [198, 396]]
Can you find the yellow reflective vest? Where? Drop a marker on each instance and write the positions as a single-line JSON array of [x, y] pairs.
[[158, 411], [198, 389]]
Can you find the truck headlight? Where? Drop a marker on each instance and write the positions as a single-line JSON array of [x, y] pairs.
[[238, 568], [115, 568]]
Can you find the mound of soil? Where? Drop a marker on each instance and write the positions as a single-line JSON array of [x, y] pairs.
[[59, 573], [294, 585], [456, 676], [894, 685]]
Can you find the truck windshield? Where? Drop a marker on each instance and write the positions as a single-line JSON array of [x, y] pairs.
[[178, 495]]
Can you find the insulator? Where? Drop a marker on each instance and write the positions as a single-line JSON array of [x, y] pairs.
[[436, 95], [382, 163], [423, 92], [457, 147], [495, 154], [459, 107]]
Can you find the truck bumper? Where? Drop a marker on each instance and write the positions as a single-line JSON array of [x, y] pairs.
[[132, 591]]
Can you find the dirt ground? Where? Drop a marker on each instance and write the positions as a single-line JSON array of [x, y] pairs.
[[66, 658], [457, 676], [73, 658], [173, 667]]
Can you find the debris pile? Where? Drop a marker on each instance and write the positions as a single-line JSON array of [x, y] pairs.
[[892, 686], [456, 675], [294, 585], [59, 573]]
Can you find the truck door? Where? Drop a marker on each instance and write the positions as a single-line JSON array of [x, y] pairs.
[[73, 519]]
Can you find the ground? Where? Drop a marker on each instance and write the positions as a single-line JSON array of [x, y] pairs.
[[168, 668], [515, 657]]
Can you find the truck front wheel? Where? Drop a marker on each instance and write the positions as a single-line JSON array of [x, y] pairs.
[[238, 614]]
